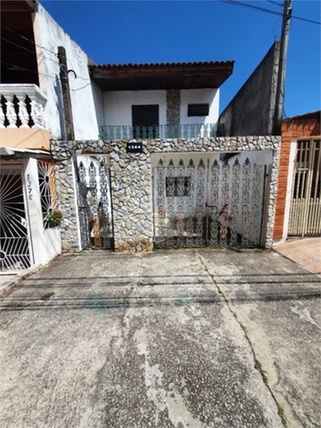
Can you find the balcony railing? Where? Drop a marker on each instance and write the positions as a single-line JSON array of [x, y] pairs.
[[21, 106], [159, 131]]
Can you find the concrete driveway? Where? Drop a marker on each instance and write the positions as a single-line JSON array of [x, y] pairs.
[[193, 338]]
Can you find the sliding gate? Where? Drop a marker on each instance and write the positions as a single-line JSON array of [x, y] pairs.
[[208, 200]]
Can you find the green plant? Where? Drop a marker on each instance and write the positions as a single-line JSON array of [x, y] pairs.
[[53, 218]]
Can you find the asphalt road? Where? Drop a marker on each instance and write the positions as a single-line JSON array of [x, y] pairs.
[[192, 338]]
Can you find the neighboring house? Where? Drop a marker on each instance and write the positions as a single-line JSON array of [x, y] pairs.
[[253, 109], [31, 113], [253, 112], [298, 208]]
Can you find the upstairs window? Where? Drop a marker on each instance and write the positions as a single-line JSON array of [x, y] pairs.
[[198, 110]]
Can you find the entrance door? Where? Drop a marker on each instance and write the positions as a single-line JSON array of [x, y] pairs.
[[94, 201], [145, 119], [305, 209], [14, 245], [208, 199]]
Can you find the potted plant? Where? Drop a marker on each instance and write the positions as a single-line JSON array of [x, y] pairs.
[[53, 218]]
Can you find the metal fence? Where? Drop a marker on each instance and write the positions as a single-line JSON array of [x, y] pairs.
[[160, 131]]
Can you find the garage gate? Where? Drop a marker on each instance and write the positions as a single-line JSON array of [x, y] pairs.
[[214, 200]]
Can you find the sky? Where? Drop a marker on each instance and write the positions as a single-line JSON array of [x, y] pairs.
[[122, 32]]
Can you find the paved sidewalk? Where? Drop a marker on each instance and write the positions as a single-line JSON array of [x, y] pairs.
[[191, 338], [306, 252], [9, 281]]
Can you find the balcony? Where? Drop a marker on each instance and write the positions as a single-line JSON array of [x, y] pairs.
[[126, 132], [21, 106]]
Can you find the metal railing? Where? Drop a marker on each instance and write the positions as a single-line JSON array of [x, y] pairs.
[[159, 131], [21, 106]]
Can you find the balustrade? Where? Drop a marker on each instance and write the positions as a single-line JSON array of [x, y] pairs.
[[21, 106], [159, 131]]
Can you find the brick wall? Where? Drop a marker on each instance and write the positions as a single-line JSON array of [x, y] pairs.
[[292, 129]]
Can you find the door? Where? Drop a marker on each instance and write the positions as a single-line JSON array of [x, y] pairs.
[[94, 201], [305, 208], [14, 245], [208, 200], [145, 119]]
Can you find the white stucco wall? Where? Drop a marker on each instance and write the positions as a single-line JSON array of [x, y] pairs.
[[200, 96], [118, 105], [48, 36], [44, 244], [118, 111]]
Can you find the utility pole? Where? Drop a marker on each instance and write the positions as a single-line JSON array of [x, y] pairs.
[[287, 11], [69, 125]]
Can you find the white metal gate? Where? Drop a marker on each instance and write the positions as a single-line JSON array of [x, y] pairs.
[[94, 201], [305, 208], [14, 245], [212, 200]]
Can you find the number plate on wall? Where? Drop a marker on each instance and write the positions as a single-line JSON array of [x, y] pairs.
[[134, 147]]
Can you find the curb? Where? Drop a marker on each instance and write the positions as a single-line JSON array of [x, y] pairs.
[[8, 285]]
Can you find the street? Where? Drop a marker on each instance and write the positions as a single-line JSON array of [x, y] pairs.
[[181, 338]]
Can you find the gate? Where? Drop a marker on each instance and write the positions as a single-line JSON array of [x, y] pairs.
[[94, 202], [305, 208], [214, 200], [14, 245]]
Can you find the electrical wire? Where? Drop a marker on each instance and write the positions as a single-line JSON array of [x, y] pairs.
[[28, 40], [42, 47], [42, 74], [262, 9], [27, 50], [78, 89], [19, 46], [274, 2], [27, 69]]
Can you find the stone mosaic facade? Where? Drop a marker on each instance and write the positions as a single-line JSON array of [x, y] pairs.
[[131, 183], [173, 107]]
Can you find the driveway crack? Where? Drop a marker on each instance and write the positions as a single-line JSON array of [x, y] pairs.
[[257, 363]]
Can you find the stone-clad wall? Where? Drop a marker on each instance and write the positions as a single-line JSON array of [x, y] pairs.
[[131, 183], [131, 199], [173, 107]]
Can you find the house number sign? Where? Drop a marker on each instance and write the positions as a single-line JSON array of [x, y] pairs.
[[29, 187], [134, 147]]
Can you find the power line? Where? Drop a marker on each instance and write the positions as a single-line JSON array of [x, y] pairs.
[[262, 9], [306, 20], [42, 47], [19, 46], [275, 2], [27, 69], [42, 74], [26, 49], [82, 87], [28, 40]]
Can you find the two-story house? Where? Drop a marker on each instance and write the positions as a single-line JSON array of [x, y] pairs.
[[160, 174]]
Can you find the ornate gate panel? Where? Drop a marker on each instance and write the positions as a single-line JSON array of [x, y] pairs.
[[207, 201], [94, 202], [14, 245]]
